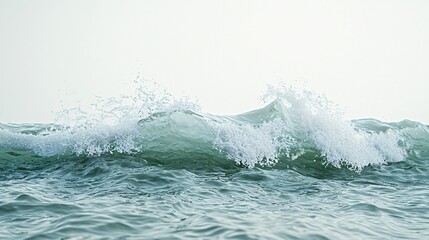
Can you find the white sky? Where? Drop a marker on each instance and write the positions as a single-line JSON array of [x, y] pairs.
[[371, 57]]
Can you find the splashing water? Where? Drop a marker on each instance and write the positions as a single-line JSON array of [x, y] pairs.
[[315, 120], [153, 121]]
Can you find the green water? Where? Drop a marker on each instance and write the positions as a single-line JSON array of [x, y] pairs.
[[129, 197]]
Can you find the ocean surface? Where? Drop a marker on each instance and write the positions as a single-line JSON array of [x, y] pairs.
[[152, 167]]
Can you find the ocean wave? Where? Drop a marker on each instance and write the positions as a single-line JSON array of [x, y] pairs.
[[292, 126]]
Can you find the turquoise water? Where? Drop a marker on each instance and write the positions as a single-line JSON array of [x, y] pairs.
[[294, 169]]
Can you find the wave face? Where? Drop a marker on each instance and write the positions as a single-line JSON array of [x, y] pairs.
[[294, 125], [113, 170]]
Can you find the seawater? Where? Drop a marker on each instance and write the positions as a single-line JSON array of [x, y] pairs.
[[151, 167]]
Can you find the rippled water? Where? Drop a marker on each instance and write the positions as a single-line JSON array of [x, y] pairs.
[[128, 196], [292, 170]]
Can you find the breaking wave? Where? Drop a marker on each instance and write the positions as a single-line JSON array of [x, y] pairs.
[[293, 125]]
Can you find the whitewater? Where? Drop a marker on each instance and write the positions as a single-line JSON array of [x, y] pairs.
[[150, 166]]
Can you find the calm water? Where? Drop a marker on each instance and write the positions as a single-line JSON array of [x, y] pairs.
[[292, 170]]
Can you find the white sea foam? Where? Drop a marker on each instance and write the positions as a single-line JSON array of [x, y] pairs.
[[251, 145], [318, 120], [94, 140]]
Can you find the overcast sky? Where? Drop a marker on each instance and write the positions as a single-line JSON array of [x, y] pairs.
[[371, 57]]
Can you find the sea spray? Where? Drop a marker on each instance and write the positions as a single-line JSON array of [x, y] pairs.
[[250, 145], [316, 120]]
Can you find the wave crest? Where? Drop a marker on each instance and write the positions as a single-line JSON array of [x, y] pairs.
[[292, 125]]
